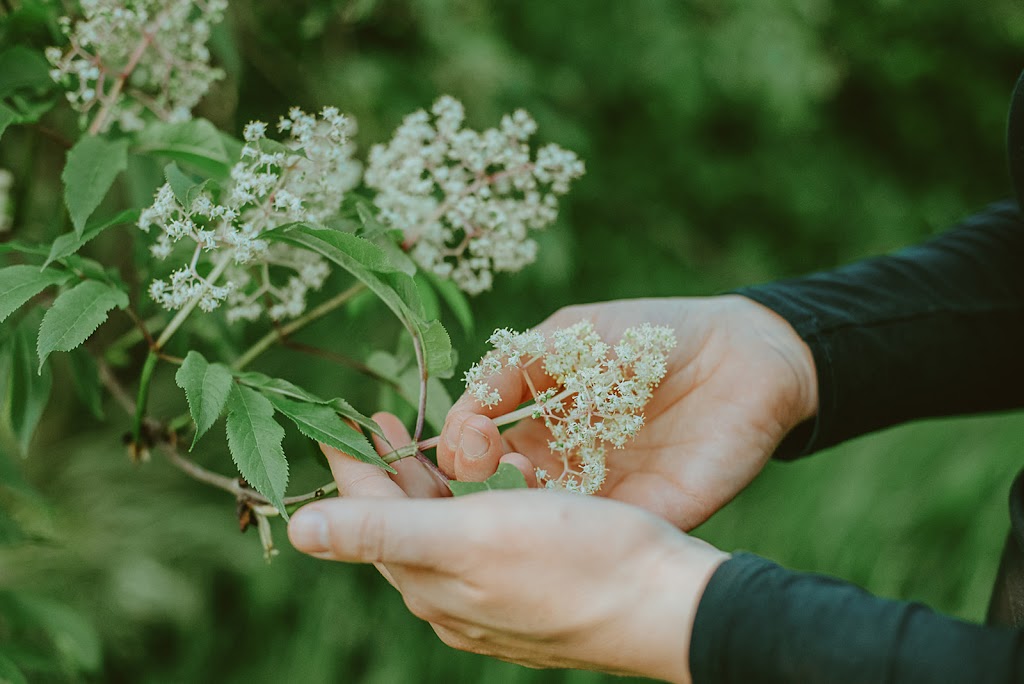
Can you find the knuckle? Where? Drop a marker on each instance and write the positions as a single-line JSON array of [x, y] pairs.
[[370, 539]]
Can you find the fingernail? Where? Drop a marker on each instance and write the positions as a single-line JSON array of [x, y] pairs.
[[453, 432], [308, 531], [474, 443]]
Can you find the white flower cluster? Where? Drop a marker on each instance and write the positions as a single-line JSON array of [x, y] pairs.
[[464, 200], [598, 396], [6, 203], [302, 179], [129, 56]]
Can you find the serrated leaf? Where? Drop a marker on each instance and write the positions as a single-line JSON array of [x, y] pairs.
[[86, 379], [506, 477], [254, 439], [277, 386], [23, 247], [20, 283], [431, 304], [437, 348], [207, 386], [28, 392], [321, 424], [196, 142], [75, 315], [69, 243], [92, 166], [456, 301], [180, 183], [347, 410]]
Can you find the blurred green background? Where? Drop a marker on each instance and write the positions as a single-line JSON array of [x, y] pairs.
[[726, 142]]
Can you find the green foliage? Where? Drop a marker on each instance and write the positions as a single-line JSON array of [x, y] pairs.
[[28, 391], [197, 143], [506, 477], [86, 380], [321, 424], [18, 284], [207, 386], [92, 166], [69, 243], [254, 438], [75, 315]]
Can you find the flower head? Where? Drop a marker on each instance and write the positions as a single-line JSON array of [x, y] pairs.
[[597, 396], [466, 201], [302, 179], [127, 57]]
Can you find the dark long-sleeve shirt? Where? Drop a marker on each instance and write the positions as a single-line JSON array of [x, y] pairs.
[[933, 330]]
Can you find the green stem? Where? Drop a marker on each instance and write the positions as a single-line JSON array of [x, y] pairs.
[[273, 336], [143, 396], [184, 312]]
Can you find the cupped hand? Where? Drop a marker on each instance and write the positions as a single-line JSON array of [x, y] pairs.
[[543, 579], [738, 381]]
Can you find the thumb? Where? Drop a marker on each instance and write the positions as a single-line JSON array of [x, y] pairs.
[[414, 532]]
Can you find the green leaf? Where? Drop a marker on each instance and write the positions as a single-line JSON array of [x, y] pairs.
[[75, 315], [431, 304], [437, 348], [69, 243], [86, 379], [28, 392], [7, 117], [266, 383], [455, 299], [9, 672], [20, 283], [506, 477], [74, 637], [405, 377], [346, 409], [206, 386], [181, 184], [23, 68], [321, 424], [196, 142], [254, 439], [23, 247], [92, 165]]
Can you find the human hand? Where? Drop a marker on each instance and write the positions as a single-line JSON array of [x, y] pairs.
[[738, 381], [543, 579]]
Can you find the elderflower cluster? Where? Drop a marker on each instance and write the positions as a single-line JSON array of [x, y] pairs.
[[126, 57], [6, 203], [597, 397], [466, 201], [302, 179]]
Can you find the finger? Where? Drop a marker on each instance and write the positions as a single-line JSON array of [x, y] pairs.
[[480, 447], [356, 478], [411, 475], [414, 532], [386, 574], [523, 465]]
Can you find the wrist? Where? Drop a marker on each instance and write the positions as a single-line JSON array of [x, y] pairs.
[[676, 584]]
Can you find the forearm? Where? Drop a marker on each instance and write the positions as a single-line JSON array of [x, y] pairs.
[[934, 330], [758, 622]]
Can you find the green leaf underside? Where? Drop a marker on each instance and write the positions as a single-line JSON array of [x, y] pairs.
[[28, 392], [437, 347], [196, 142], [456, 301], [321, 424], [92, 166], [20, 283], [86, 379], [207, 386], [21, 68], [69, 243], [75, 315], [254, 439], [265, 383], [406, 379], [7, 117], [506, 477], [9, 672]]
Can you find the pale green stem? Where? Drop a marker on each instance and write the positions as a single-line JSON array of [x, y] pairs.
[[180, 317], [267, 340]]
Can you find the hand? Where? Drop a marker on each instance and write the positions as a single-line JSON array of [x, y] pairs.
[[543, 579], [739, 379]]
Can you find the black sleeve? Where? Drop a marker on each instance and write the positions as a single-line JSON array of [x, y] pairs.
[[758, 622], [934, 330]]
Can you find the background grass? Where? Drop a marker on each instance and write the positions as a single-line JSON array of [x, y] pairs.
[[727, 143]]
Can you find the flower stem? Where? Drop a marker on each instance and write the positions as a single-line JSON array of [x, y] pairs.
[[99, 124], [508, 418], [140, 403], [267, 340], [184, 312]]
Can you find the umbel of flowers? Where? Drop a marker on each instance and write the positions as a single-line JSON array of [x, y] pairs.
[[302, 180], [466, 201], [126, 58], [596, 397]]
